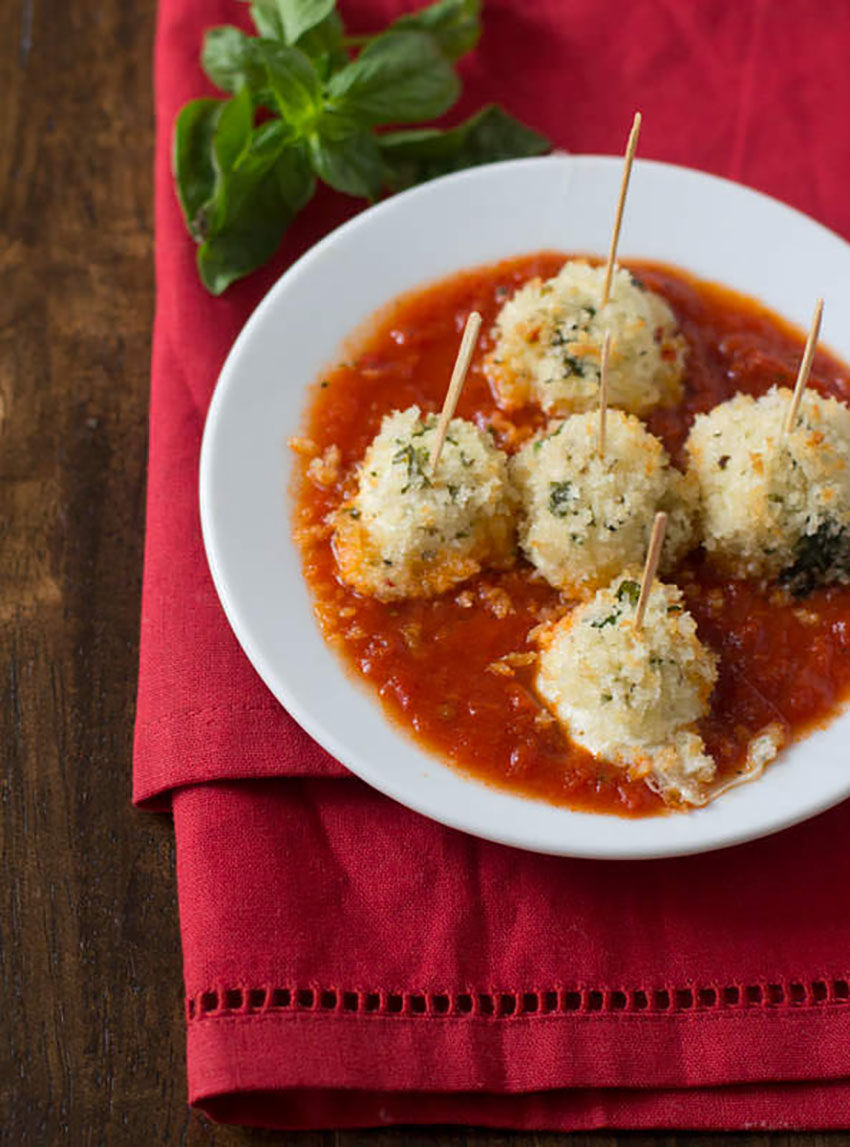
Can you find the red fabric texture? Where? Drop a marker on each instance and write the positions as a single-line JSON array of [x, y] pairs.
[[347, 962]]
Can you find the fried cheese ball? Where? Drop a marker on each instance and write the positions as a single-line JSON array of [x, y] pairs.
[[775, 508], [630, 696], [548, 344], [583, 517], [408, 533]]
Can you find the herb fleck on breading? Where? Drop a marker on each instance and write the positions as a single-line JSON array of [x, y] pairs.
[[416, 461], [628, 591], [821, 557], [560, 498]]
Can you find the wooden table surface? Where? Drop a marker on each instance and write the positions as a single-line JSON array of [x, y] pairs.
[[91, 1039]]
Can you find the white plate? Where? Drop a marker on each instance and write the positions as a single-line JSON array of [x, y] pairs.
[[716, 229]]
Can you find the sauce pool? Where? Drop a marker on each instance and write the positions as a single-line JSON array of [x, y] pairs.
[[781, 660]]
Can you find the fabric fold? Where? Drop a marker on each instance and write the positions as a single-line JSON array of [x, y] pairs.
[[726, 970]]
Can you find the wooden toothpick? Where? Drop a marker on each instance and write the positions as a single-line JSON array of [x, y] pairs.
[[631, 147], [652, 559], [603, 391], [803, 372], [464, 358]]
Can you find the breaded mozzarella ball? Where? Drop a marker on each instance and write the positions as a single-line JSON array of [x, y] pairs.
[[583, 517], [630, 696], [771, 507], [409, 533], [549, 342]]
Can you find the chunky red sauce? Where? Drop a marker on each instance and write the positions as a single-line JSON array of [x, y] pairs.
[[781, 660]]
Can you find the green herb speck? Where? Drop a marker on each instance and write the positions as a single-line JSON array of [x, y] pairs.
[[415, 459], [560, 497], [628, 591]]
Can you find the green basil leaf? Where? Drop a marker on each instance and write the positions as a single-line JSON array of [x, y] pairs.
[[246, 237], [289, 20], [236, 186], [324, 45], [240, 185], [275, 148], [294, 83], [398, 78], [299, 16], [267, 144], [266, 17], [233, 130], [253, 203], [488, 136], [295, 177], [229, 58], [454, 24], [192, 159], [349, 161]]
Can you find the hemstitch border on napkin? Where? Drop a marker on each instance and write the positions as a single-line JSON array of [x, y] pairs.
[[504, 1005]]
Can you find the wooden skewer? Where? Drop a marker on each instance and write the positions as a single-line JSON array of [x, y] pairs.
[[652, 559], [603, 391], [631, 147], [464, 358], [803, 372]]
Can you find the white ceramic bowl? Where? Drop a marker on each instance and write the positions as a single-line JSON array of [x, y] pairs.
[[716, 229]]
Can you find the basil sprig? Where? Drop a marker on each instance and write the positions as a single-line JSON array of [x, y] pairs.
[[304, 103]]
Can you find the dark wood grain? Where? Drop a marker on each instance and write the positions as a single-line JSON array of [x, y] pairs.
[[91, 1037]]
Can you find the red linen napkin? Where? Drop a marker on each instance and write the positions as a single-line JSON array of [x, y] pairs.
[[349, 963]]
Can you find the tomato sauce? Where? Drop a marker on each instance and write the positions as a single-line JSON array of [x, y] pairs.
[[782, 660]]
